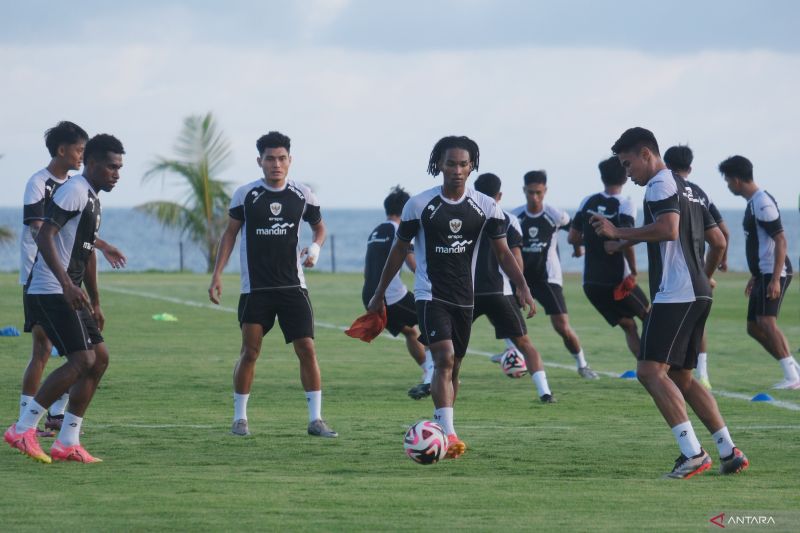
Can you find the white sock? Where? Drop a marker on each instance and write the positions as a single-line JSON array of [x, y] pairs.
[[687, 440], [789, 369], [540, 380], [30, 418], [70, 433], [314, 399], [24, 402], [702, 365], [444, 417], [427, 368], [724, 442], [240, 406], [509, 344], [580, 359], [59, 406]]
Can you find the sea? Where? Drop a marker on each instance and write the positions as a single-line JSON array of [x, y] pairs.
[[152, 247]]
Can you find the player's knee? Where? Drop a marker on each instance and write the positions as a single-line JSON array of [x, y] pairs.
[[249, 353], [753, 329], [627, 324], [82, 361], [100, 362], [765, 324]]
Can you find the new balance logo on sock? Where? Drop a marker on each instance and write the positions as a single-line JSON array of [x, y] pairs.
[[73, 425], [683, 433], [34, 411], [24, 404], [719, 440]]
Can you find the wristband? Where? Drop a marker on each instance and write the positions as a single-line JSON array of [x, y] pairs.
[[313, 252]]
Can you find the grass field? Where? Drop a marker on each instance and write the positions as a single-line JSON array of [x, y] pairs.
[[590, 462]]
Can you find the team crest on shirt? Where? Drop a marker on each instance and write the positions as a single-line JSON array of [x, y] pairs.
[[275, 207], [533, 231], [455, 225]]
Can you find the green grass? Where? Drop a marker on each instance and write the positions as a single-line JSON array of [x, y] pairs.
[[590, 462]]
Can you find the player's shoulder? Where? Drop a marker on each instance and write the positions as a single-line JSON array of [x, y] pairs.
[[554, 212], [589, 200], [302, 190], [518, 212], [764, 205], [513, 221], [242, 190], [484, 202], [421, 199], [661, 186]]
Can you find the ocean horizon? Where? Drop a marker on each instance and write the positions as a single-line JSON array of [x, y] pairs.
[[150, 246]]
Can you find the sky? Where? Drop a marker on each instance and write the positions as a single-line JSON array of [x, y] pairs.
[[365, 88]]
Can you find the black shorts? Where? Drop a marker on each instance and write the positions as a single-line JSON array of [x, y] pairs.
[[69, 330], [28, 326], [759, 304], [503, 312], [401, 314], [550, 295], [291, 306], [602, 297], [672, 333], [439, 321]]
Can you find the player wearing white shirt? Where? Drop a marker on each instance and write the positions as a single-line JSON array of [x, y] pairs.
[[446, 223], [770, 268], [676, 224], [268, 213], [540, 224]]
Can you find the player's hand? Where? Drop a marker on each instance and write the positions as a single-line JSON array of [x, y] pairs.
[[723, 265], [99, 317], [577, 251], [75, 297], [376, 304], [612, 247], [523, 295], [774, 288], [713, 283], [215, 290], [749, 287], [115, 257], [311, 254], [603, 227]]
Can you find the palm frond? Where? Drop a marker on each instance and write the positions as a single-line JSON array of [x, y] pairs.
[[6, 234]]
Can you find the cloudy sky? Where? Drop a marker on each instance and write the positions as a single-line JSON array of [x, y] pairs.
[[365, 87]]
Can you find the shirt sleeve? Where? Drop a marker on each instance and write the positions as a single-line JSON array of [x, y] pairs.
[[33, 201], [236, 210], [312, 213], [627, 213], [495, 227], [579, 219], [67, 203], [662, 197], [768, 216], [514, 233], [409, 221]]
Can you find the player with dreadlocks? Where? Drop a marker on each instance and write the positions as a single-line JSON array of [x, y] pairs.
[[447, 222]]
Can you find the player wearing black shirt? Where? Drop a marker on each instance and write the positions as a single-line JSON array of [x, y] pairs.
[[401, 312], [770, 268], [494, 297], [603, 272], [676, 224], [268, 213], [446, 223], [70, 319], [540, 224], [679, 160]]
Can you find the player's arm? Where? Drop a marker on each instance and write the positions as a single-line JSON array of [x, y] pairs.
[[73, 294], [575, 238], [517, 251], [411, 260], [774, 286], [90, 282], [224, 250], [716, 249], [311, 253], [510, 266], [112, 254], [397, 255], [664, 228], [34, 226], [630, 256], [723, 263]]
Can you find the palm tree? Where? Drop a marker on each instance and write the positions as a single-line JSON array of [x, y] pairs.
[[6, 235], [202, 215]]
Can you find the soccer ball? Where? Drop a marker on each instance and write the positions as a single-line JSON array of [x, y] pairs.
[[513, 364], [425, 442]]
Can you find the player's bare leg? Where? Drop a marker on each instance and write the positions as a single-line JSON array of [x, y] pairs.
[[311, 379]]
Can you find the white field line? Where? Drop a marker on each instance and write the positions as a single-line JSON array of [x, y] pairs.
[[725, 394], [151, 426]]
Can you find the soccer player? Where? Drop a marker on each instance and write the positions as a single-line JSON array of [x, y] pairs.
[[602, 272], [679, 160], [70, 319], [540, 223], [401, 312], [446, 222], [675, 226], [770, 268], [65, 142], [494, 297], [268, 213]]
